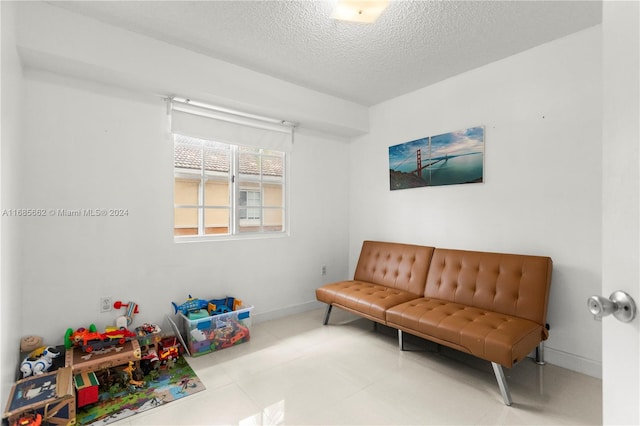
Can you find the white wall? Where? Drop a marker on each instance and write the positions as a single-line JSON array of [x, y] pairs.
[[10, 291], [542, 185]]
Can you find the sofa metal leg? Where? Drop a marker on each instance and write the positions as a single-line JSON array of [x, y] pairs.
[[400, 340], [502, 383], [540, 354], [326, 316]]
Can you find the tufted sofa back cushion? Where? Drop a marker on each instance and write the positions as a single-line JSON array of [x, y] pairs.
[[511, 284], [395, 265]]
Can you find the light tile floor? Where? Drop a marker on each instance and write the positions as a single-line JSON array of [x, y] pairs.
[[295, 371]]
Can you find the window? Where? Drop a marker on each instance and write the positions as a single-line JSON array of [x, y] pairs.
[[230, 172], [224, 189]]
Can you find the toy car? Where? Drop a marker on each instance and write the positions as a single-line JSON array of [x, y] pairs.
[[90, 340]]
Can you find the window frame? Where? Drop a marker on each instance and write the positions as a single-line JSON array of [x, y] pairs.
[[234, 189]]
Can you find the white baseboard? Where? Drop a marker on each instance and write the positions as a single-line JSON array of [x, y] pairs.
[[289, 310], [573, 362]]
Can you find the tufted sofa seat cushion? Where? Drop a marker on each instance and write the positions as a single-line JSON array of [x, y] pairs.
[[387, 274], [492, 336], [363, 298], [511, 284], [491, 305]]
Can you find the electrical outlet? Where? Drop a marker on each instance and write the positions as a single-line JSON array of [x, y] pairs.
[[106, 304], [323, 270]]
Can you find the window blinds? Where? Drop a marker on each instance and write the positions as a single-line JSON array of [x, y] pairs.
[[203, 121]]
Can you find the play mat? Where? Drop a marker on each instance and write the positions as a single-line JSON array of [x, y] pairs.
[[117, 403]]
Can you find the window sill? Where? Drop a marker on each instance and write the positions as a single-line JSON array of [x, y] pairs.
[[216, 238]]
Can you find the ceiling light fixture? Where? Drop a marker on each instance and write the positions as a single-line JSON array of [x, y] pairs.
[[366, 11]]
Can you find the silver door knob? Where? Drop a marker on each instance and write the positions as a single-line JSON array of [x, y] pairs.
[[620, 304]]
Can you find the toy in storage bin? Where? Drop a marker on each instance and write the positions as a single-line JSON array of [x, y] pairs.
[[217, 332], [148, 334]]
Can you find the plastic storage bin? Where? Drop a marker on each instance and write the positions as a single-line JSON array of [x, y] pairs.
[[217, 332], [148, 335], [150, 339]]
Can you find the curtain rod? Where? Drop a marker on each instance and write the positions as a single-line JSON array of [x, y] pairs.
[[187, 101]]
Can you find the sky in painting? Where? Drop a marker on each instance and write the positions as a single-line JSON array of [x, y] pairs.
[[403, 157], [460, 142]]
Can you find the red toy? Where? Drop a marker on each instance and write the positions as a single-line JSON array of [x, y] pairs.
[[29, 420], [132, 309], [86, 388], [168, 351], [89, 339], [118, 304]]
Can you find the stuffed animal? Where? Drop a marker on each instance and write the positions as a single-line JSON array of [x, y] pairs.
[[30, 343]]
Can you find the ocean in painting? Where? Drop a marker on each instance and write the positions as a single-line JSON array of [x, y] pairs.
[[447, 159], [466, 168]]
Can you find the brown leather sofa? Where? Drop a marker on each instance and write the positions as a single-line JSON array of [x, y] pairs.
[[490, 305]]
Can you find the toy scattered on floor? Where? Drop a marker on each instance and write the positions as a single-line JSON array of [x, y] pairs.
[[39, 361], [135, 375], [168, 353], [73, 338], [110, 380], [171, 341], [31, 419], [30, 343], [154, 375], [193, 305], [90, 340], [150, 362], [87, 388]]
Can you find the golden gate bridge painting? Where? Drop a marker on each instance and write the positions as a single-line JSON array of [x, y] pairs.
[[447, 159]]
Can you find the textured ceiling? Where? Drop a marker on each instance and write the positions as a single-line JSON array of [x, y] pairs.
[[412, 45]]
